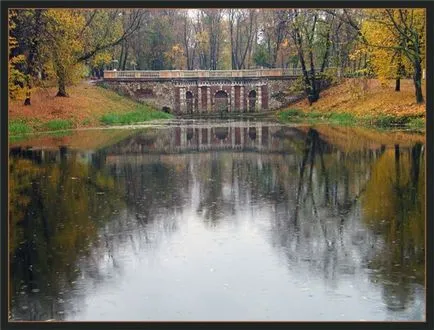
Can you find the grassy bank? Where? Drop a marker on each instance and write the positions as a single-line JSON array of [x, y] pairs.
[[86, 106], [348, 119], [361, 102]]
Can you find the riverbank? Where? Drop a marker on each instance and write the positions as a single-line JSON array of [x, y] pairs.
[[362, 102], [87, 106]]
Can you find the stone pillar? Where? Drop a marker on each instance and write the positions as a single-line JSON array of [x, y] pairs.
[[199, 99], [182, 100], [209, 135], [242, 98], [208, 98], [232, 103], [232, 136], [259, 98]]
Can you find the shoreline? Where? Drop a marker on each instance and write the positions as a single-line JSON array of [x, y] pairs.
[[296, 116], [93, 107]]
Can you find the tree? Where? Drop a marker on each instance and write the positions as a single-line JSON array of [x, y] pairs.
[[398, 34], [405, 32], [274, 28], [188, 40], [76, 36], [261, 56], [26, 37], [176, 57], [306, 37], [209, 25], [241, 30], [17, 78], [62, 27]]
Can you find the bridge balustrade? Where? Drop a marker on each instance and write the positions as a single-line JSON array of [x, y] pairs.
[[170, 74]]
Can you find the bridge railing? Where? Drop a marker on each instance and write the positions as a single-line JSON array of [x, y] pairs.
[[251, 73], [169, 74]]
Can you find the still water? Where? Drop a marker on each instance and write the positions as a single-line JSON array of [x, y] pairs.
[[218, 221]]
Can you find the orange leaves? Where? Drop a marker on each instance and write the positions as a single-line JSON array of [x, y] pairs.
[[368, 97]]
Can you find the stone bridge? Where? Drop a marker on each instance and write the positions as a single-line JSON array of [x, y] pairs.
[[200, 91]]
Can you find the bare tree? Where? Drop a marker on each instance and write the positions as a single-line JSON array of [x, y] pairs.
[[242, 33]]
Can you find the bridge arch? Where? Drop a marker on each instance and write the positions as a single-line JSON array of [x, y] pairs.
[[189, 99], [221, 101], [252, 101]]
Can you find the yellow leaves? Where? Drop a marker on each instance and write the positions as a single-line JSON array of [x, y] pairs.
[[176, 57], [101, 59], [16, 79], [202, 39], [63, 29], [376, 100], [68, 22], [388, 57]]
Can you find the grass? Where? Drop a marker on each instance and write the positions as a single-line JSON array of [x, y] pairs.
[[348, 119], [58, 124], [417, 123], [17, 127], [141, 114], [295, 115]]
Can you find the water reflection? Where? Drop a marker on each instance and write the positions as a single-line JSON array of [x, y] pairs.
[[212, 221]]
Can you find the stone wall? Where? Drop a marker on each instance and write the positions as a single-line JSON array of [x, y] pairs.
[[280, 95], [160, 95]]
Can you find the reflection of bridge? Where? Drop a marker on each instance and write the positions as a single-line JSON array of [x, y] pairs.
[[236, 136], [202, 91]]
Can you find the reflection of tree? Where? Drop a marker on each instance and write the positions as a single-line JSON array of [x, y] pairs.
[[316, 223], [150, 187], [55, 211], [154, 191], [394, 207], [213, 205]]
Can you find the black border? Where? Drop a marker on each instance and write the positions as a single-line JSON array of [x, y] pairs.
[[428, 4]]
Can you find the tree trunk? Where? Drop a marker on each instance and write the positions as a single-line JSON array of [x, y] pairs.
[[33, 54], [398, 85], [121, 55], [314, 90], [62, 90], [125, 57], [417, 78], [27, 100], [61, 85]]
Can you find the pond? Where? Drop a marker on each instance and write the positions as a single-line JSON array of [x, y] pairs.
[[218, 220]]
